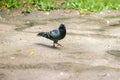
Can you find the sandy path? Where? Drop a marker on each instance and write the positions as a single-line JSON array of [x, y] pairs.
[[91, 49]]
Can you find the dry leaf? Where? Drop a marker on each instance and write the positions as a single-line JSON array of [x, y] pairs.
[[32, 52], [12, 58], [78, 13], [67, 10], [47, 13]]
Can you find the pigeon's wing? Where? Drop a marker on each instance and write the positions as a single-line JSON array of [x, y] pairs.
[[55, 33], [52, 35]]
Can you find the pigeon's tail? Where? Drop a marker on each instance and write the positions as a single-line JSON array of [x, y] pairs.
[[44, 34]]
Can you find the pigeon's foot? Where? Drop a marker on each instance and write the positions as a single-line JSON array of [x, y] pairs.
[[59, 44]]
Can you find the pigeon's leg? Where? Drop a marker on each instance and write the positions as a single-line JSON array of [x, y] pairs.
[[59, 44], [54, 45]]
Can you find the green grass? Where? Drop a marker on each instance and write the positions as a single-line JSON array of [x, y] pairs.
[[86, 6]]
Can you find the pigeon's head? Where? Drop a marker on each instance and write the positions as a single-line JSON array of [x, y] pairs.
[[62, 26]]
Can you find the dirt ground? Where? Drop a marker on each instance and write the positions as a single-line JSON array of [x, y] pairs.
[[91, 47]]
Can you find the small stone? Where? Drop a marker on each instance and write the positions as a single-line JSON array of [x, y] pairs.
[[61, 73], [113, 22], [28, 22], [104, 75], [108, 21], [0, 18]]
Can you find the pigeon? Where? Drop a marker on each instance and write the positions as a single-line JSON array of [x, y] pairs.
[[55, 35]]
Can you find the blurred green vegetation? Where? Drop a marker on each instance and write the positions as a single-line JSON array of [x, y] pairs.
[[86, 6]]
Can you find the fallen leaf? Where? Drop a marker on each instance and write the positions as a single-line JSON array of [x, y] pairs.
[[67, 10], [78, 13], [12, 58], [81, 13], [47, 13], [32, 52], [2, 31]]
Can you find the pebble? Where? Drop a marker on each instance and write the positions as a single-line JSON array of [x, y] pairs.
[[105, 75], [61, 73], [113, 22]]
